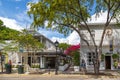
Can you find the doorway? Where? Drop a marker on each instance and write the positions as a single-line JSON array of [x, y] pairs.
[[29, 61], [50, 62], [107, 62]]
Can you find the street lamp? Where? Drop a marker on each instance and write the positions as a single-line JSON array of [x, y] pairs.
[[56, 64]]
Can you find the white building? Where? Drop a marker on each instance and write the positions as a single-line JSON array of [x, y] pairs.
[[44, 58], [112, 38]]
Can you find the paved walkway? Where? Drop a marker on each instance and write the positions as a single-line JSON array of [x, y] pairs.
[[112, 75]]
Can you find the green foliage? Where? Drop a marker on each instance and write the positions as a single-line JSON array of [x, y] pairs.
[[7, 33], [63, 46], [102, 57], [69, 15], [115, 56], [76, 58], [13, 66], [60, 13], [6, 37], [115, 64], [16, 66], [35, 66], [28, 42]]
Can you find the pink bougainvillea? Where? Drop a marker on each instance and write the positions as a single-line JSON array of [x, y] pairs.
[[71, 48]]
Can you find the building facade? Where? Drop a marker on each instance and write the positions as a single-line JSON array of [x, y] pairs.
[[45, 58], [111, 45]]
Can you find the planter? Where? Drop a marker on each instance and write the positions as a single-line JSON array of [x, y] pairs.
[[20, 69], [76, 68], [61, 68], [8, 68]]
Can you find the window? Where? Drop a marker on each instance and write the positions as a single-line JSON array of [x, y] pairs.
[[91, 56], [111, 45]]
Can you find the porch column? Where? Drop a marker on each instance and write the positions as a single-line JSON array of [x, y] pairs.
[[112, 63], [42, 62]]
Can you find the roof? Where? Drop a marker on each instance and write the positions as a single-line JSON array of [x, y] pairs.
[[99, 19], [37, 34]]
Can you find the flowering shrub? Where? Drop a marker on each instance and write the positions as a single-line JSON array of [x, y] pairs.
[[74, 52], [71, 49]]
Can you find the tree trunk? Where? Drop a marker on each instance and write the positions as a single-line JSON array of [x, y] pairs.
[[97, 67], [96, 62]]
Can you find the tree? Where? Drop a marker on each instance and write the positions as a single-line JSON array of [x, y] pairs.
[[63, 46], [27, 42], [70, 15], [6, 34]]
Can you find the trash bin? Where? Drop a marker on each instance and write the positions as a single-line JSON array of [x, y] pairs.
[[20, 69], [8, 68]]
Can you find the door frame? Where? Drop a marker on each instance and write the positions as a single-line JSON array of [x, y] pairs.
[[108, 61]]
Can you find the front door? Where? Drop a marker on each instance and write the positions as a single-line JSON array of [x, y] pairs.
[[29, 61], [50, 62], [108, 62]]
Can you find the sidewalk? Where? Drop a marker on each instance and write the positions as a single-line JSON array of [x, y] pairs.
[[109, 75]]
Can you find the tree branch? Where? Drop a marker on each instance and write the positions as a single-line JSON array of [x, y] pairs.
[[107, 23], [86, 24], [77, 30]]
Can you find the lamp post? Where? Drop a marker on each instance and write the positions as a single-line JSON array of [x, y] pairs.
[[56, 63]]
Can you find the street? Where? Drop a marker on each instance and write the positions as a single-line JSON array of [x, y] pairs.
[[55, 77], [35, 77]]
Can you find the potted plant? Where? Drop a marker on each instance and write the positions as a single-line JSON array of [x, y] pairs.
[[115, 60]]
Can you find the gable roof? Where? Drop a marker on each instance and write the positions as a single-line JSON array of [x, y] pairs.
[[38, 35], [100, 19]]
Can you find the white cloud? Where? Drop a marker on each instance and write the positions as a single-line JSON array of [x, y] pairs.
[[11, 23], [73, 39], [60, 40], [28, 7], [34, 1], [23, 17]]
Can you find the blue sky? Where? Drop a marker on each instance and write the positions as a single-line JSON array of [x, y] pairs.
[[16, 10], [13, 8], [14, 15]]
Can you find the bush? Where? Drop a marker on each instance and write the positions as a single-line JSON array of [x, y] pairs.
[[35, 66], [16, 66], [13, 66], [76, 58], [115, 56], [102, 56]]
